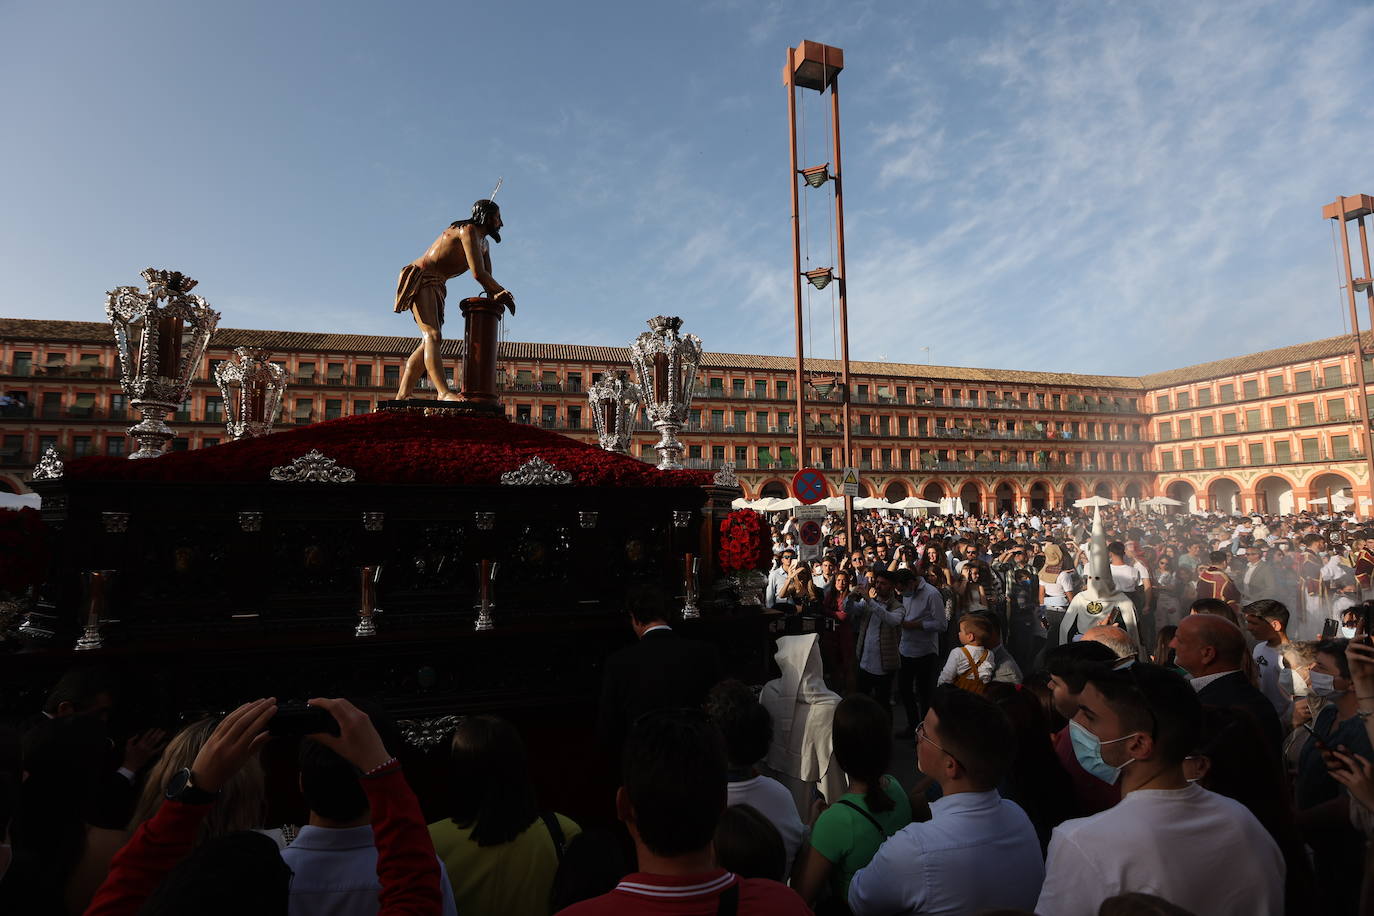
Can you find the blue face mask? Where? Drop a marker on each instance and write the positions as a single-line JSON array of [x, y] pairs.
[[1087, 747]]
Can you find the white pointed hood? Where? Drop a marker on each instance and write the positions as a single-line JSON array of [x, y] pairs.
[[1100, 584]]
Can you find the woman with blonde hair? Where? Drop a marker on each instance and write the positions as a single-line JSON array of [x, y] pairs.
[[242, 803]]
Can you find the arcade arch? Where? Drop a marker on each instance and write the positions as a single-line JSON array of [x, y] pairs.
[[896, 491], [1223, 495], [1004, 497], [773, 488], [971, 498], [1039, 496], [1274, 495], [1338, 484], [1183, 491]]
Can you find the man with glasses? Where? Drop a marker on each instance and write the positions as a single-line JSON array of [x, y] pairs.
[[777, 576], [965, 744], [1134, 726]]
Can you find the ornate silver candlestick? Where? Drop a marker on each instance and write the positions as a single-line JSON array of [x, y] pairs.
[[614, 401], [96, 583], [252, 386], [666, 365], [161, 336], [367, 609], [486, 575], [691, 566]]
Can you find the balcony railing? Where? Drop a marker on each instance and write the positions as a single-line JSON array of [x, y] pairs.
[[911, 399], [56, 371]]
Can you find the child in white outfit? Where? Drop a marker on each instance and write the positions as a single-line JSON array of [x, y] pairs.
[[971, 665]]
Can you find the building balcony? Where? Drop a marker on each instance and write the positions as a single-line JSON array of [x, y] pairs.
[[59, 371], [910, 400], [1315, 386]]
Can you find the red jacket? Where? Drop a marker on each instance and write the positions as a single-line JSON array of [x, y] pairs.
[[405, 854]]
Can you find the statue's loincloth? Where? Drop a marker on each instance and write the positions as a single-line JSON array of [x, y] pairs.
[[418, 287]]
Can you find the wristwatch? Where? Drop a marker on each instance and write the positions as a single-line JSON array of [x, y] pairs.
[[181, 788]]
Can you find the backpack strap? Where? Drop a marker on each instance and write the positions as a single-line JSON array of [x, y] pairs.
[[871, 819], [555, 832]]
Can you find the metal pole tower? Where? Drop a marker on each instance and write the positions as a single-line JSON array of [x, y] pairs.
[[811, 65], [1344, 209]]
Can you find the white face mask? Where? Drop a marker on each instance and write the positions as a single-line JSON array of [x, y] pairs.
[[1324, 685], [1347, 632]]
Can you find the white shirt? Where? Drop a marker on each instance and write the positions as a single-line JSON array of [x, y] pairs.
[[1269, 662], [957, 664], [1200, 682], [942, 866], [1127, 577], [1179, 844], [926, 605], [335, 873], [774, 801], [870, 653]]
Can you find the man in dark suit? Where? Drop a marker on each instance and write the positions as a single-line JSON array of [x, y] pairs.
[[1212, 650], [661, 671]]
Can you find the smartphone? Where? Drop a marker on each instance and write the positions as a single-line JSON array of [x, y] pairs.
[[296, 719]]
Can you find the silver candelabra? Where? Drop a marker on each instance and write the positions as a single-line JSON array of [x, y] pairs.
[[666, 364], [614, 401], [161, 336], [252, 386]]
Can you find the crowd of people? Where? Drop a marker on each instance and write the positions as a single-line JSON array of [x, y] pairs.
[[1224, 766]]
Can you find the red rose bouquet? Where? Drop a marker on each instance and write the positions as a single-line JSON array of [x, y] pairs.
[[745, 542]]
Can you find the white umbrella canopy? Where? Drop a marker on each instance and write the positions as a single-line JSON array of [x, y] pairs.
[[835, 503], [20, 501], [1093, 501], [784, 502], [1341, 500], [871, 502], [741, 503], [1160, 501], [915, 502]]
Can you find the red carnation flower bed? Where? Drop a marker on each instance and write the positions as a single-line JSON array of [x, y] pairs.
[[401, 448], [745, 542]]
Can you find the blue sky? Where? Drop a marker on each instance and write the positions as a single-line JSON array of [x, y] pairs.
[[1093, 187]]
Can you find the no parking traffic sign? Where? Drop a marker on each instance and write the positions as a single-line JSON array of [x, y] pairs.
[[808, 485]]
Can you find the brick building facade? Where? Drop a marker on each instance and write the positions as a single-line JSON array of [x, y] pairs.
[[991, 438]]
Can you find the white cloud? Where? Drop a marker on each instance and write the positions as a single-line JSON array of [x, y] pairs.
[[1137, 175]]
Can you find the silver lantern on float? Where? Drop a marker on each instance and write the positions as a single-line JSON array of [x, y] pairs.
[[161, 336], [614, 401], [666, 364], [252, 386]]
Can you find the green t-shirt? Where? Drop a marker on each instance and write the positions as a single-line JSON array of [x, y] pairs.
[[513, 878], [848, 840]]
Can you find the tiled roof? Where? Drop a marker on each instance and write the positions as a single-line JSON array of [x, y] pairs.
[[1253, 362]]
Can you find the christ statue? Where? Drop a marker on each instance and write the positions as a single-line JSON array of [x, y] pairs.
[[421, 289]]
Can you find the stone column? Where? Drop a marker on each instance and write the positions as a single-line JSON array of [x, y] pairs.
[[482, 322]]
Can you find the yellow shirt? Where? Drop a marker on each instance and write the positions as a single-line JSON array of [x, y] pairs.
[[513, 878]]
